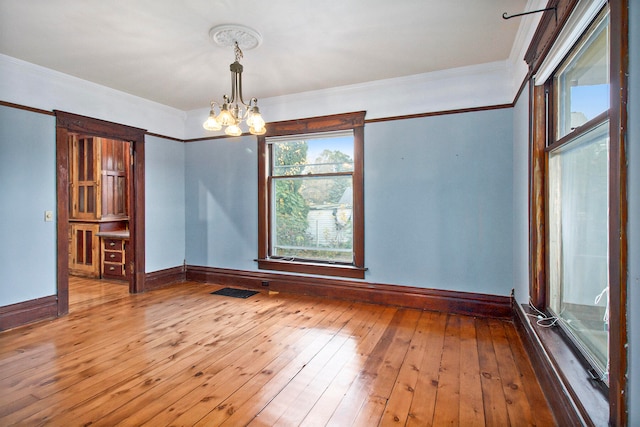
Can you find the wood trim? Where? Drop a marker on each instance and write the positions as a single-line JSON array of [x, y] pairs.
[[62, 225], [67, 123], [537, 197], [263, 199], [441, 113], [396, 295], [618, 72], [157, 135], [210, 138], [332, 122], [358, 198], [348, 121], [577, 132], [573, 403], [321, 269], [136, 263], [24, 107], [90, 126], [521, 89], [160, 278], [547, 32], [14, 315]]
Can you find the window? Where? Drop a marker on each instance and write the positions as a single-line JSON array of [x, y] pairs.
[[311, 196], [578, 197], [578, 206]]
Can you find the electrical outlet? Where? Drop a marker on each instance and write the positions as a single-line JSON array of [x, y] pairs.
[[48, 216]]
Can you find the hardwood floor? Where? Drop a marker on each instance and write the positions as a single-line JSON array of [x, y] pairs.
[[181, 356]]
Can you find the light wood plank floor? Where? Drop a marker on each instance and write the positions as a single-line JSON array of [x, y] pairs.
[[180, 356]]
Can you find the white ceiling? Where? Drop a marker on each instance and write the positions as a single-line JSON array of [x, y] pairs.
[[160, 49]]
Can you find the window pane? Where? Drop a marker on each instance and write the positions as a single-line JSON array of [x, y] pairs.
[[313, 156], [578, 240], [582, 83], [313, 218]]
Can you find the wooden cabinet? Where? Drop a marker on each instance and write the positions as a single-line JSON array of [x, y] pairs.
[[84, 249], [114, 257], [98, 200]]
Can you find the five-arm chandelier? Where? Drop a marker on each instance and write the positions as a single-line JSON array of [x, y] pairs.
[[234, 110]]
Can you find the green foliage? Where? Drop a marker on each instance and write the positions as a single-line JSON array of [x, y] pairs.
[[290, 157], [291, 213], [290, 206], [295, 196]]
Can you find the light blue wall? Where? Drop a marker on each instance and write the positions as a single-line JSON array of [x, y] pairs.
[[27, 190], [221, 203], [438, 202], [165, 203], [633, 153], [521, 197]]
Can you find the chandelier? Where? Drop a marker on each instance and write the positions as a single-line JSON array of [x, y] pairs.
[[234, 110]]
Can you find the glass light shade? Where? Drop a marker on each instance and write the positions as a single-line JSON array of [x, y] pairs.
[[255, 131], [233, 130], [256, 121], [225, 118], [211, 123]]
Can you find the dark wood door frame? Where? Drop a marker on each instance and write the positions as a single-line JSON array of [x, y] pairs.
[[71, 123]]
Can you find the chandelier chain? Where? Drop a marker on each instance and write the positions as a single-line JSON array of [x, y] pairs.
[[238, 52]]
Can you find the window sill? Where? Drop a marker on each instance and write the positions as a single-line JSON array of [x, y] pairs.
[[348, 271], [587, 397]]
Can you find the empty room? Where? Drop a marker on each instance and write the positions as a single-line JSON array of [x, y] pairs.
[[320, 213]]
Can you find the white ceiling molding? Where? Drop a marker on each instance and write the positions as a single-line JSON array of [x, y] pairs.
[[526, 30]]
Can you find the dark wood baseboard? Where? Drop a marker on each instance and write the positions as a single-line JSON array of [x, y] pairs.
[[572, 398], [22, 313], [396, 295], [160, 278]]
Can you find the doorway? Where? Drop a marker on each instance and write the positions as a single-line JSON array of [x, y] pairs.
[[73, 126]]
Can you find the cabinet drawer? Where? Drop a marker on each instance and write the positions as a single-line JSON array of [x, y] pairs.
[[113, 244], [113, 270], [111, 256]]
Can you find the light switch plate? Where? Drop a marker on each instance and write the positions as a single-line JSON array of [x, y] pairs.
[[48, 216]]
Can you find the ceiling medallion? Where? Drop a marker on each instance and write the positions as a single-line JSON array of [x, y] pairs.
[[229, 34]]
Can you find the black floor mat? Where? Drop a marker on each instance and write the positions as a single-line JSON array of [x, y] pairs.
[[235, 293]]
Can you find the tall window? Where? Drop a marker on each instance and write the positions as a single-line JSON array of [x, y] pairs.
[[311, 198], [578, 196]]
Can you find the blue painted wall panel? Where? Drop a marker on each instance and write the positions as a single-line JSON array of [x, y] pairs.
[[27, 190], [438, 202], [165, 203], [221, 203]]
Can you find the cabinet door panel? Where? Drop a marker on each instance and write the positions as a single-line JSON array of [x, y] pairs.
[[84, 178], [115, 161], [84, 251]]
